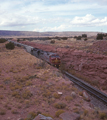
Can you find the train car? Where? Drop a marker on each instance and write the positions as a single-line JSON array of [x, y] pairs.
[[49, 57], [52, 58]]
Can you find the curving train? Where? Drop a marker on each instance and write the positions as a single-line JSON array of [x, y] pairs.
[[49, 57]]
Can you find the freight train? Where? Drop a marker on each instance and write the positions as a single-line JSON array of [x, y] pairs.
[[50, 57]]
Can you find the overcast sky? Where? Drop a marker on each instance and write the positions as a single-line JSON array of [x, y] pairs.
[[53, 15]]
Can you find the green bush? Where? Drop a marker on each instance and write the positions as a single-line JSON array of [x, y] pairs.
[[84, 35], [18, 40], [75, 37], [78, 38], [52, 41], [99, 36], [64, 38], [2, 112], [10, 46], [85, 39], [2, 40]]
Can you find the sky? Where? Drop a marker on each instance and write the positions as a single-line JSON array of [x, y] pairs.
[[53, 15]]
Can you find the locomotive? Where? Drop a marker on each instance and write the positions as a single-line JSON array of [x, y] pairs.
[[50, 57]]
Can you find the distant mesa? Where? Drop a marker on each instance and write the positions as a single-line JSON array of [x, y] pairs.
[[6, 33]]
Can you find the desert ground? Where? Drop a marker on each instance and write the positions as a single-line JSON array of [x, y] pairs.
[[85, 59], [29, 86]]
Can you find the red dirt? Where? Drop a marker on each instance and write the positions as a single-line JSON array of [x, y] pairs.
[[88, 65], [21, 72]]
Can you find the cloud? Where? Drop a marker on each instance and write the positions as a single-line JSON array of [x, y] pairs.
[[52, 15], [89, 21], [67, 24]]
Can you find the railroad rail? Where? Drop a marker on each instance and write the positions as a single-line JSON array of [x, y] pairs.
[[97, 93]]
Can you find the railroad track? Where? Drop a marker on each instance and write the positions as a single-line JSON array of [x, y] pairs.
[[97, 93]]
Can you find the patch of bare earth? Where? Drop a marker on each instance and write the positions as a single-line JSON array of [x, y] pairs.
[[29, 86]]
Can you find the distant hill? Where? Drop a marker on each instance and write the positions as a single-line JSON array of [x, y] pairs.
[[5, 33]]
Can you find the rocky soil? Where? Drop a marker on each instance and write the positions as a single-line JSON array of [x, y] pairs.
[[84, 61], [29, 86]]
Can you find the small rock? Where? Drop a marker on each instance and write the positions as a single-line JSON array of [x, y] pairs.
[[86, 96], [42, 117], [59, 93], [105, 71], [8, 118], [70, 116], [103, 76], [73, 94]]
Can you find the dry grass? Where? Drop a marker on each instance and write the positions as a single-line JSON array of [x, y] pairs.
[[60, 105], [57, 113], [24, 77], [28, 83], [14, 111], [2, 111], [26, 94], [56, 95], [68, 98], [16, 94], [103, 115], [1, 96]]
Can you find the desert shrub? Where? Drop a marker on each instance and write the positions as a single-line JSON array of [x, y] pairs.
[[102, 115], [56, 95], [85, 39], [10, 46], [32, 115], [104, 87], [28, 83], [14, 111], [64, 38], [99, 36], [94, 83], [2, 112], [1, 86], [24, 39], [62, 67], [57, 113], [26, 94], [60, 105], [78, 38], [47, 115], [68, 98], [46, 94], [52, 41], [81, 93], [18, 40], [9, 108], [1, 96], [16, 94], [75, 37], [42, 64], [85, 112], [84, 35], [76, 110], [2, 40], [15, 86]]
